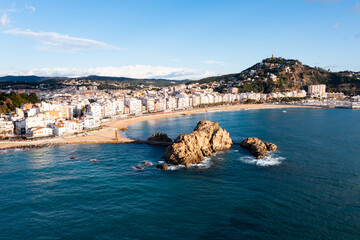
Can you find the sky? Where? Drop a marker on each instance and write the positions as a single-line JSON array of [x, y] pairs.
[[174, 39]]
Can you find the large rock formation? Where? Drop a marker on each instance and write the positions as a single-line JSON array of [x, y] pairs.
[[206, 139], [159, 137], [257, 147]]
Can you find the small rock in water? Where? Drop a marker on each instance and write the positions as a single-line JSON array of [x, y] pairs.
[[162, 166], [257, 147], [138, 167], [147, 164], [73, 158], [159, 137]]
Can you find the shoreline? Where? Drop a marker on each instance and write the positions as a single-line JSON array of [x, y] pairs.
[[224, 108], [107, 134]]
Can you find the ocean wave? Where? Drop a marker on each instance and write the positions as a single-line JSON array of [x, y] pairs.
[[265, 162], [206, 163], [11, 150]]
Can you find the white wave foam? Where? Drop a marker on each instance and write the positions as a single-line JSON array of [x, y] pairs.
[[206, 163], [137, 169], [11, 150], [267, 161], [143, 165]]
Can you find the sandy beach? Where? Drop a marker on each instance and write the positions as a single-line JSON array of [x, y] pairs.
[[107, 133]]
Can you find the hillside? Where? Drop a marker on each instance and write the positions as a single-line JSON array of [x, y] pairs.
[[29, 79], [104, 82], [8, 102], [279, 74]]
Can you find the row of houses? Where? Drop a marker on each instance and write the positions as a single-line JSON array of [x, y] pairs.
[[68, 114], [39, 126], [66, 127], [153, 103]]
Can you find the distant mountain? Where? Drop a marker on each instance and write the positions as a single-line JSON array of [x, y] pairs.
[[279, 74], [269, 75], [134, 81], [22, 79], [37, 79]]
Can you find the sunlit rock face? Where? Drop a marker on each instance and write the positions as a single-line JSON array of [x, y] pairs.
[[207, 138]]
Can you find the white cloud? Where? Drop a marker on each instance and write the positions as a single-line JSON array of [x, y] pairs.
[[336, 26], [132, 71], [4, 20], [60, 42], [213, 62], [31, 8]]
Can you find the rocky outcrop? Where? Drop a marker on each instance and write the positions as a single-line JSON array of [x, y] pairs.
[[143, 165], [270, 146], [206, 139], [257, 147], [147, 164], [162, 166], [159, 137]]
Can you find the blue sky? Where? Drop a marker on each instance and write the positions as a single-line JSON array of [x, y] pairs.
[[174, 39]]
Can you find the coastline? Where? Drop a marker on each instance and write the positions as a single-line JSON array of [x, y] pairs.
[[107, 134]]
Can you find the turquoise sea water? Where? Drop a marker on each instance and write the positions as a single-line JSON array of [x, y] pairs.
[[308, 189]]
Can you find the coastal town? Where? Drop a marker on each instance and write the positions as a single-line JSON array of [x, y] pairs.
[[82, 109]]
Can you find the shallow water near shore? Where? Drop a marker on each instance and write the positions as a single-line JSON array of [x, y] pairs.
[[308, 189]]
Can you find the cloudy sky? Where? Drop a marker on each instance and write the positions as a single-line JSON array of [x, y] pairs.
[[183, 39]]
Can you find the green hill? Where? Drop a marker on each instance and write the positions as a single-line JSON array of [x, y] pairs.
[[8, 102], [279, 74]]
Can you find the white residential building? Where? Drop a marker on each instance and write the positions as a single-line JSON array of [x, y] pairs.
[[317, 90], [149, 103], [170, 103], [90, 122], [204, 99], [31, 112], [6, 128], [95, 110], [135, 106], [41, 132], [59, 129], [195, 100]]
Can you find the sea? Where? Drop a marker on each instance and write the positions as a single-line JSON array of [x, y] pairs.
[[308, 189]]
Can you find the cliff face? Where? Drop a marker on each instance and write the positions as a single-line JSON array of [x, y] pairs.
[[206, 139]]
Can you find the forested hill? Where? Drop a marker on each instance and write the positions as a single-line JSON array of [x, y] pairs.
[[279, 74], [8, 102]]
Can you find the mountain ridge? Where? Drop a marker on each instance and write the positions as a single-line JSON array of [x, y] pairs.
[[271, 74]]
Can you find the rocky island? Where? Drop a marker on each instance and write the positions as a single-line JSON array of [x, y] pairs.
[[206, 139], [257, 147]]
